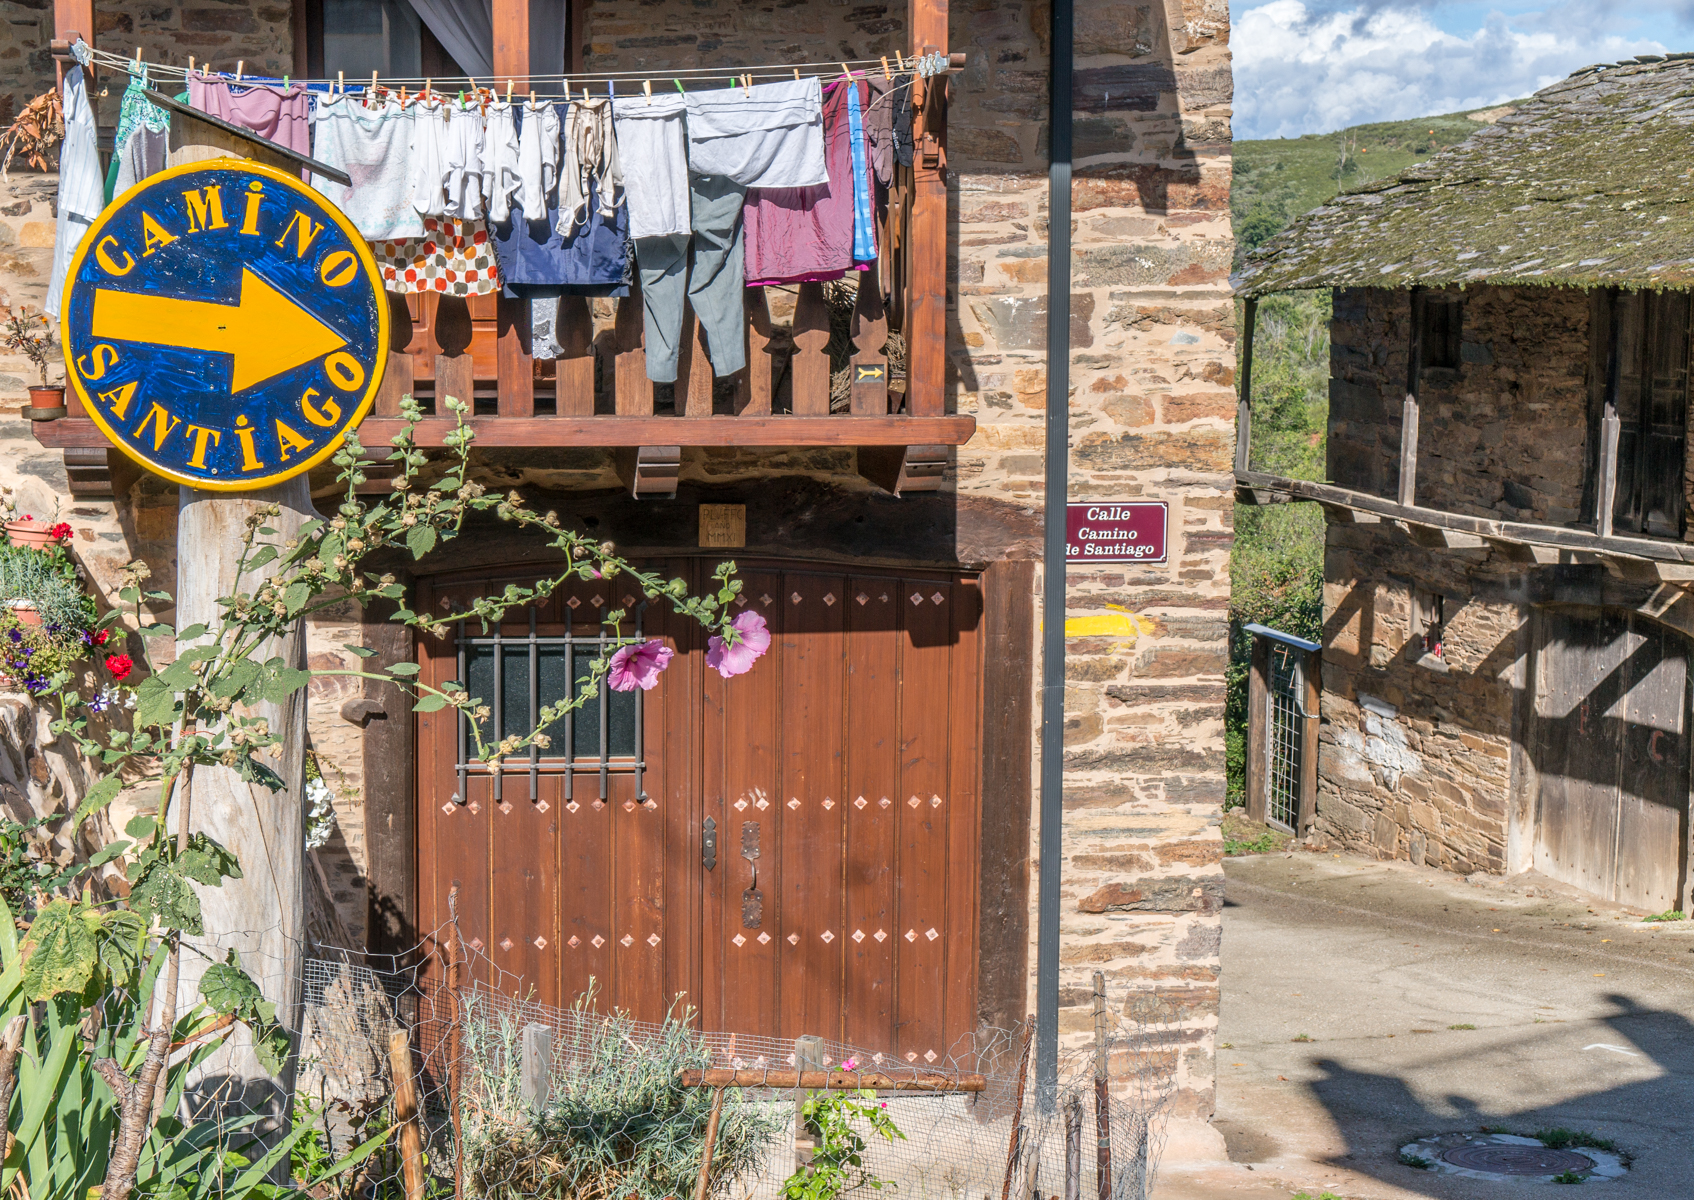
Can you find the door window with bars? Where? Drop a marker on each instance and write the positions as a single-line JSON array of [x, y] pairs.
[[519, 676], [1286, 748]]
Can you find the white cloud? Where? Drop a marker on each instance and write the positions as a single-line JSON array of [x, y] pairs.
[[1299, 71]]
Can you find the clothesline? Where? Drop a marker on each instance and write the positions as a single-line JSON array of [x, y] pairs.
[[925, 65]]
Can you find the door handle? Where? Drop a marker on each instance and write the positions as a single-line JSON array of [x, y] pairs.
[[709, 844]]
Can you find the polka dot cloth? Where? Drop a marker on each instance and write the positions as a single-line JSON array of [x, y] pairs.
[[454, 257]]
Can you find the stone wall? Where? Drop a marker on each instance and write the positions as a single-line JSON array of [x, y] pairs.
[[1502, 436]]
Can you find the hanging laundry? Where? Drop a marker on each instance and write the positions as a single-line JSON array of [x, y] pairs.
[[538, 156], [454, 257], [799, 234], [374, 147], [535, 258], [902, 119], [591, 162], [500, 174], [653, 152], [142, 141], [429, 158], [879, 128], [769, 135], [462, 152], [280, 115], [704, 268], [82, 192], [864, 220]]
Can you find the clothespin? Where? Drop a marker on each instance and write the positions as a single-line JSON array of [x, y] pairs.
[[899, 60], [679, 86], [885, 73], [373, 89], [796, 74], [508, 91], [532, 99], [402, 95], [191, 64], [567, 84], [747, 83], [845, 71], [425, 94], [340, 81], [138, 54], [647, 86], [240, 69]]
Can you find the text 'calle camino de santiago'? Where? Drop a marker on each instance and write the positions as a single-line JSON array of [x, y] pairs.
[[225, 325]]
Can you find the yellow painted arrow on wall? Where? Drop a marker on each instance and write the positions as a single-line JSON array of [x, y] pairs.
[[265, 332]]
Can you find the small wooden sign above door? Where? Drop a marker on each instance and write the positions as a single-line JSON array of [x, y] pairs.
[[723, 525], [1103, 531]]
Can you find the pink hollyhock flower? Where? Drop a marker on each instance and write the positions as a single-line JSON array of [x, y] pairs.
[[730, 659], [638, 666]]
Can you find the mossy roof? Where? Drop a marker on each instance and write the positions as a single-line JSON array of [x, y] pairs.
[[1588, 184]]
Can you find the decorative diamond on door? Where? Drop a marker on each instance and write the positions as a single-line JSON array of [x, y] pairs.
[[916, 598], [862, 598], [741, 806], [739, 941], [827, 936], [598, 601], [629, 806], [571, 806], [911, 1056], [932, 935], [505, 943], [911, 935], [796, 597], [761, 804], [574, 942], [541, 806], [935, 801], [764, 939], [829, 599], [929, 1056], [828, 803], [938, 598], [598, 941], [793, 939], [574, 603], [793, 802], [879, 935], [884, 802], [914, 802], [476, 944], [626, 941], [505, 807], [859, 802], [652, 939], [767, 599], [449, 807], [540, 943], [858, 935]]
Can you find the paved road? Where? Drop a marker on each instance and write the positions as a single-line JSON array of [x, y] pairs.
[[1584, 1018]]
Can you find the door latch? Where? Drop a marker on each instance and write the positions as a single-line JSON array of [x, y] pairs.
[[709, 844]]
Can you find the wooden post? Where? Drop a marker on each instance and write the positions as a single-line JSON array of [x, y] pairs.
[[1073, 1148], [455, 959], [1014, 1145], [808, 1056], [1102, 1094], [511, 42], [704, 1182], [1610, 426], [1258, 731], [1409, 410], [406, 1113], [535, 1078], [926, 279], [809, 368], [1244, 402], [1309, 702]]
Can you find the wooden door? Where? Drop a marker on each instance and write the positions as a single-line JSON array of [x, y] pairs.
[[1609, 743], [840, 777]]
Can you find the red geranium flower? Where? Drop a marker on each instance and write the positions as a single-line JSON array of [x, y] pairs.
[[120, 665], [60, 532], [100, 636]]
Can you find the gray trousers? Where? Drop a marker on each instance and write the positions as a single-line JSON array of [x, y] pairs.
[[713, 282]]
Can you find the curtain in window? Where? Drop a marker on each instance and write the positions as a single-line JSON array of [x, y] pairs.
[[466, 29]]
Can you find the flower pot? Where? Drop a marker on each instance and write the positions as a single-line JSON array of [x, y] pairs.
[[45, 404], [25, 612], [33, 534]]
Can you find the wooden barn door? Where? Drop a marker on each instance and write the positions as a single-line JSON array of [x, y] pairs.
[[1611, 752], [839, 777]]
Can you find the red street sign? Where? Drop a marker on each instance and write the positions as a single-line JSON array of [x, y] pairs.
[[1109, 532]]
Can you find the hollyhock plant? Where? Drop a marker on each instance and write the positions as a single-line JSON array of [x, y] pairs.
[[120, 665], [638, 665], [732, 658]]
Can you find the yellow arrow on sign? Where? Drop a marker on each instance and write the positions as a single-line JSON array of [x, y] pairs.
[[265, 332]]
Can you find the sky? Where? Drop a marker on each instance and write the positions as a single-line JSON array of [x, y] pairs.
[[1313, 66]]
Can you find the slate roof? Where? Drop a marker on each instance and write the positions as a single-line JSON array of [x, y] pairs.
[[1590, 183]]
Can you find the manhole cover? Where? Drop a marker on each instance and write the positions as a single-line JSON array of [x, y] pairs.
[[1517, 1160]]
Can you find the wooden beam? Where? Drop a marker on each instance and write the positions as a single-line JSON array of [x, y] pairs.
[[608, 430], [831, 1080], [1409, 409], [511, 43], [902, 469], [1440, 539], [1244, 401], [389, 754], [926, 250], [1489, 529], [649, 471], [516, 368]]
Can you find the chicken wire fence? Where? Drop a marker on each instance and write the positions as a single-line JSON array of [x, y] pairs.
[[517, 1099]]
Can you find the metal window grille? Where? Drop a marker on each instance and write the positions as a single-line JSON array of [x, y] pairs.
[[1285, 746], [521, 677]]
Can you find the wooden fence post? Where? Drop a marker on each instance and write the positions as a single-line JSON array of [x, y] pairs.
[[1258, 732], [1102, 1094], [406, 1113], [808, 1056], [536, 1075]]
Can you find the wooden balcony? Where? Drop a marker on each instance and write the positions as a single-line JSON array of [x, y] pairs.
[[794, 391]]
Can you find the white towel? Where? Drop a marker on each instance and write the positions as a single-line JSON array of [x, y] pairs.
[[766, 136], [463, 151], [653, 154], [500, 174], [374, 147], [538, 157], [429, 158]]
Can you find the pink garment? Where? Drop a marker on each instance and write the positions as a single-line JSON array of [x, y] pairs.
[[280, 115], [796, 235]]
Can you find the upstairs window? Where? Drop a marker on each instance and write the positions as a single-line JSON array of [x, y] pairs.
[[1638, 367], [1440, 326]]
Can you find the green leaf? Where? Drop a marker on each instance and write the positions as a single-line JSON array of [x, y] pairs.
[[430, 703], [206, 861], [228, 989], [162, 893], [155, 703], [404, 669], [296, 596], [420, 540], [151, 631], [237, 678], [192, 632], [107, 853], [99, 796], [61, 951], [283, 682], [140, 827], [361, 651], [263, 556]]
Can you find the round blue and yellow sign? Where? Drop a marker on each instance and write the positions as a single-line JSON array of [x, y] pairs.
[[224, 325]]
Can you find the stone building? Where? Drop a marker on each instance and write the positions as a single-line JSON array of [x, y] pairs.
[[1151, 371], [1504, 678]]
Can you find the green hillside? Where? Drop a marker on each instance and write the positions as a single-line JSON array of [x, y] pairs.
[[1279, 178]]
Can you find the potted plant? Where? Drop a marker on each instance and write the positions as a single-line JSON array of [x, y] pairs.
[[30, 333], [47, 619], [27, 531]]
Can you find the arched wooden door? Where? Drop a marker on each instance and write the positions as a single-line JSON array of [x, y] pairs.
[[834, 891]]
